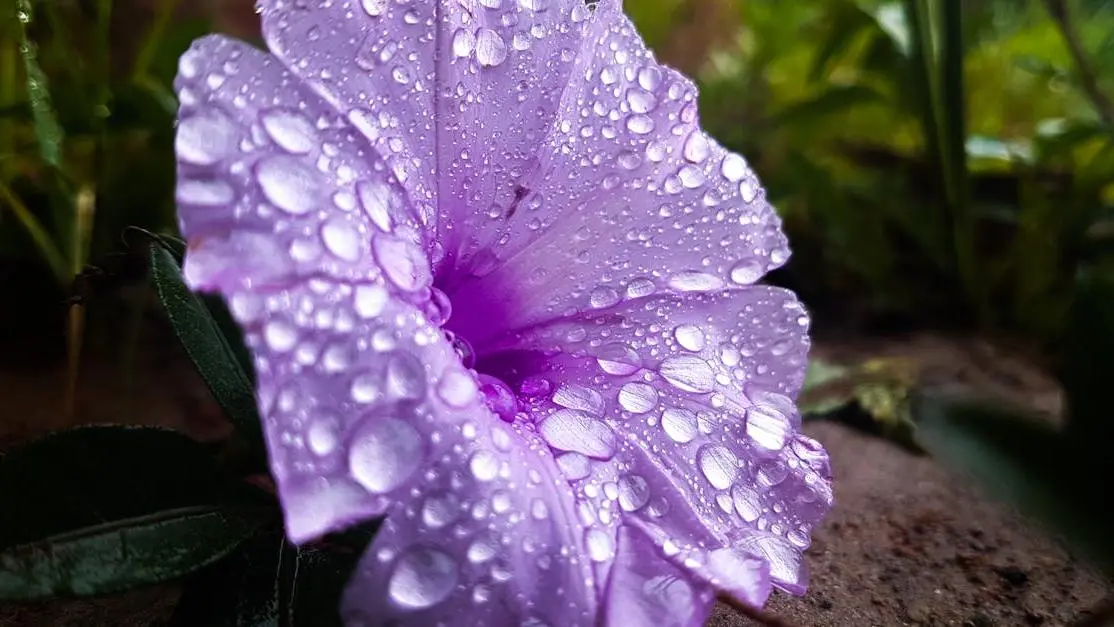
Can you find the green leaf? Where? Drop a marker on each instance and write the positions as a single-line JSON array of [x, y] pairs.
[[835, 100], [1088, 367], [207, 347], [1025, 462], [125, 554], [241, 590], [92, 475], [47, 130]]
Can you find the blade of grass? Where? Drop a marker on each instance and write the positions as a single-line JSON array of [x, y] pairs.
[[47, 129], [39, 236], [85, 207], [151, 42]]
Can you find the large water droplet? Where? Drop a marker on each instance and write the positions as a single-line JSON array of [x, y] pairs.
[[718, 464], [438, 511], [638, 398], [206, 138], [696, 147], [464, 42], [290, 130], [483, 548], [322, 435], [484, 465], [204, 193], [679, 424], [574, 466], [288, 184], [640, 124], [618, 359], [457, 388], [688, 373], [423, 576], [768, 426], [280, 335], [746, 272], [747, 503], [576, 396], [690, 337], [375, 198], [491, 50], [374, 8], [634, 492], [384, 453], [341, 239], [370, 300], [405, 379], [402, 262], [733, 167], [576, 431]]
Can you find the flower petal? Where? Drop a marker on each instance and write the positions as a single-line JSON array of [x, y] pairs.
[[698, 390], [645, 589], [491, 541], [274, 187], [629, 198], [432, 85]]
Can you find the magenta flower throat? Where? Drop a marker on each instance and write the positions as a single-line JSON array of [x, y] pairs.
[[501, 288]]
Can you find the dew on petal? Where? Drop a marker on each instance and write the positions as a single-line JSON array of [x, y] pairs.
[[690, 337], [422, 577], [403, 263], [718, 464], [341, 239], [679, 424], [290, 130], [600, 546], [491, 50], [634, 492], [484, 465], [688, 373], [638, 398], [206, 138], [768, 426], [618, 359], [384, 453], [575, 431], [288, 184]]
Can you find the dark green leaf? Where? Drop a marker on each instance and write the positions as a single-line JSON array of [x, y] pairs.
[[206, 346], [47, 130], [1088, 367], [241, 590], [835, 100], [92, 475], [1025, 462], [125, 554]]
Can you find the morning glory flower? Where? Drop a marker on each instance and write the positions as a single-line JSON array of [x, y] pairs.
[[501, 289]]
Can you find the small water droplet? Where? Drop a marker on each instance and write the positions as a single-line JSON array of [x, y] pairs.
[[618, 359], [640, 124], [438, 511], [733, 167], [491, 50], [718, 464], [280, 335], [374, 8], [341, 239], [464, 42], [457, 388], [484, 465], [370, 300], [603, 297]]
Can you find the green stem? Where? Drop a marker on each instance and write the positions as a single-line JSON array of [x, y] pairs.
[[154, 38], [1088, 77], [38, 234]]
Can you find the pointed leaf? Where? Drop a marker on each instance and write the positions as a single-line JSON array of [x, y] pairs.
[[1025, 462], [206, 346], [47, 130], [125, 554], [92, 475]]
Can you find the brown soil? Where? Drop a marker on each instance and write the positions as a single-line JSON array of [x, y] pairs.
[[909, 543]]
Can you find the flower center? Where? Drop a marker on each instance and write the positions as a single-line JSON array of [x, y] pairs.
[[498, 396]]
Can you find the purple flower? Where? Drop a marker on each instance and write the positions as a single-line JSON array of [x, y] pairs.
[[500, 287]]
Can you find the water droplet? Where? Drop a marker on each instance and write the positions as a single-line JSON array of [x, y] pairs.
[[288, 184], [365, 388], [322, 435], [576, 396], [423, 576], [600, 546], [375, 198], [491, 50], [204, 193], [679, 424], [649, 77], [438, 511], [576, 431], [718, 464], [483, 548], [603, 297], [405, 379], [634, 492], [402, 262], [747, 502], [535, 387], [280, 335], [618, 359], [733, 167], [690, 337], [638, 398], [206, 138], [370, 300], [484, 465], [695, 281], [341, 239], [464, 42], [688, 373], [640, 124], [768, 426], [746, 272], [641, 287], [641, 101], [748, 191], [384, 453], [290, 130], [574, 466], [697, 148], [499, 398], [457, 388]]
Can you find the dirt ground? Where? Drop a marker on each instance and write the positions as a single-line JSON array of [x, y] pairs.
[[909, 543]]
